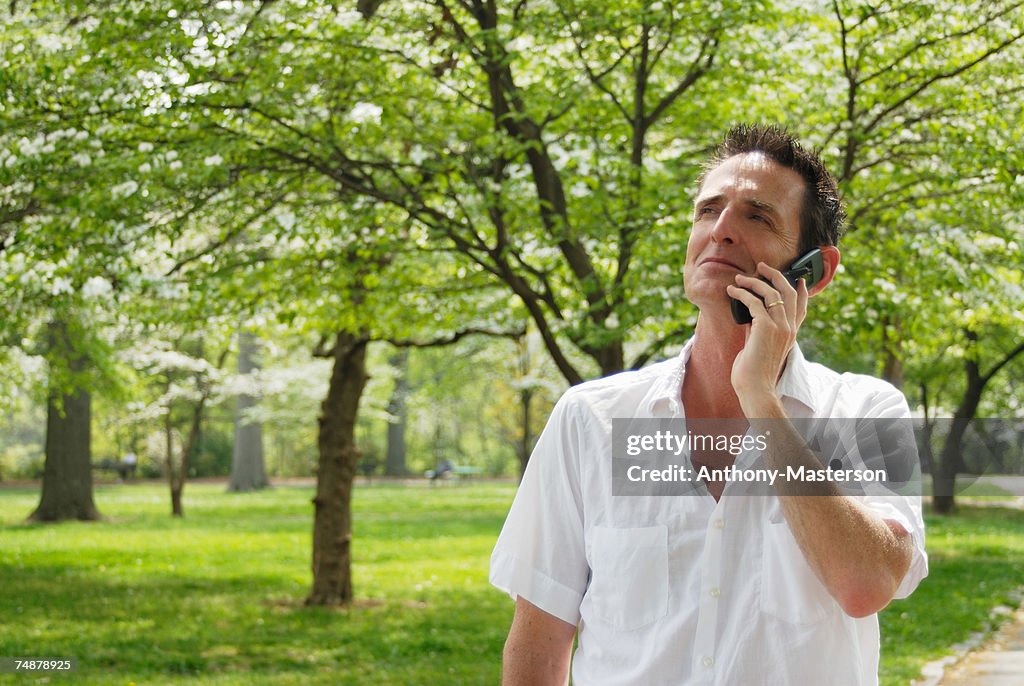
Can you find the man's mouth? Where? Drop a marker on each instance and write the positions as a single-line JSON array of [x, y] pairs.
[[722, 261]]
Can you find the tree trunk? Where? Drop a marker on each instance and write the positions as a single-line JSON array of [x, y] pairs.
[[892, 369], [177, 509], [248, 470], [892, 365], [179, 476], [611, 358], [339, 459], [67, 471], [526, 437], [173, 478], [526, 393], [394, 464], [944, 476]]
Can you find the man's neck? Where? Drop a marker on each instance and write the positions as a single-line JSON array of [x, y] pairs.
[[707, 383]]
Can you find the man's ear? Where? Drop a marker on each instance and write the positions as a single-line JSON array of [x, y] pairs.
[[830, 259]]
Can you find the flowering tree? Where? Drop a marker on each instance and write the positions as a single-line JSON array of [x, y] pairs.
[[421, 170]]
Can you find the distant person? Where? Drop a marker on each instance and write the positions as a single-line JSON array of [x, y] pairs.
[[780, 589], [128, 465], [445, 468]]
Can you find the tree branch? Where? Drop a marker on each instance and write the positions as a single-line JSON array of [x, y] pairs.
[[651, 350], [941, 76], [1002, 363], [700, 66], [455, 337]]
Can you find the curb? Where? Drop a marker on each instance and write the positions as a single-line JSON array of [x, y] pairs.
[[935, 671]]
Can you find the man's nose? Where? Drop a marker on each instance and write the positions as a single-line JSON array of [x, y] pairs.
[[725, 229]]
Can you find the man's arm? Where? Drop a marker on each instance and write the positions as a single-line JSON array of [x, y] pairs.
[[860, 557], [538, 648]]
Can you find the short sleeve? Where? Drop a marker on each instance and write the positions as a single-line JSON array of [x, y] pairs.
[[905, 511], [540, 554], [889, 403]]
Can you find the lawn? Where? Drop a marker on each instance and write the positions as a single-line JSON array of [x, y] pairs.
[[217, 597]]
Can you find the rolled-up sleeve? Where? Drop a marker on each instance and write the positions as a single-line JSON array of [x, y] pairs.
[[889, 404], [540, 554]]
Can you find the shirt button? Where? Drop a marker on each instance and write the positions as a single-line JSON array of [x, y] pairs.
[[715, 592], [708, 662], [719, 523]]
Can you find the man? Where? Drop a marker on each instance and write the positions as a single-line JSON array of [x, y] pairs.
[[780, 589]]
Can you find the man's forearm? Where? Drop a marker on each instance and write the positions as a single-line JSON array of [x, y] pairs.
[[538, 649], [860, 557]]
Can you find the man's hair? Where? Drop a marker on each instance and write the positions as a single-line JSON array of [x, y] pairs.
[[822, 217]]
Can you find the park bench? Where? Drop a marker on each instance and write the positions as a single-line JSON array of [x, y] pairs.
[[465, 471], [123, 469], [457, 471]]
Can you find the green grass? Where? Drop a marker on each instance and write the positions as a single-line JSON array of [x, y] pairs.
[[216, 598], [975, 560]]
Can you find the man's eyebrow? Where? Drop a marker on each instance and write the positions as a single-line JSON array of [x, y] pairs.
[[753, 202], [761, 205], [708, 199]]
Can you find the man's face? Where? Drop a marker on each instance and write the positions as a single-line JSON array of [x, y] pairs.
[[747, 211]]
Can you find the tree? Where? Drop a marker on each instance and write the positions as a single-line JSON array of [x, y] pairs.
[[919, 113], [248, 472], [394, 463], [67, 473], [255, 214], [65, 244], [339, 458]]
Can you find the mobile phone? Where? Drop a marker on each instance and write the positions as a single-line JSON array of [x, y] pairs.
[[810, 267]]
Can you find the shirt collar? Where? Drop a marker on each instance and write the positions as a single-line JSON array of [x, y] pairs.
[[794, 383], [666, 396]]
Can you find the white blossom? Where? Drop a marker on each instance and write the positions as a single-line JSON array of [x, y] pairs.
[[286, 219], [125, 189], [50, 42], [347, 18], [191, 27], [418, 155], [96, 287], [213, 160], [364, 112], [61, 284]]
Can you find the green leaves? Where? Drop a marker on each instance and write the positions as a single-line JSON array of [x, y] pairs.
[[441, 166]]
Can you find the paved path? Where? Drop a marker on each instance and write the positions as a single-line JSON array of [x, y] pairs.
[[1000, 662]]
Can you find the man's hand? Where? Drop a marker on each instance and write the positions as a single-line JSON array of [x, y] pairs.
[[771, 335]]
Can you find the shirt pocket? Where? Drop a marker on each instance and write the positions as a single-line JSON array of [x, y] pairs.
[[629, 576], [790, 590]]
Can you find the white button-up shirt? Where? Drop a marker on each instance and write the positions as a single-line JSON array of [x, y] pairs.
[[687, 590]]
